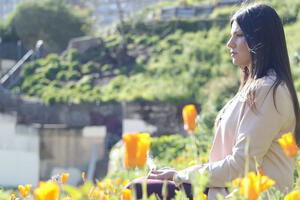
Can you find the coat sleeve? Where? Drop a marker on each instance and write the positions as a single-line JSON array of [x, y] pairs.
[[261, 126]]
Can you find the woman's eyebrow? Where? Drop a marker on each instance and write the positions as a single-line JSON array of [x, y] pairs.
[[237, 32]]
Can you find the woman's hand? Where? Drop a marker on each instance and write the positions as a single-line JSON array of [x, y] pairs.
[[165, 173]]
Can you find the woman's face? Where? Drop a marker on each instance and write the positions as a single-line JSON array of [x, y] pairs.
[[238, 47]]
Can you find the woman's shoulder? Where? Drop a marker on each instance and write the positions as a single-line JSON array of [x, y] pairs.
[[268, 82], [264, 86], [265, 81]]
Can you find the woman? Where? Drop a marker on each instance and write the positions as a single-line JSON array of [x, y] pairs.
[[265, 107]]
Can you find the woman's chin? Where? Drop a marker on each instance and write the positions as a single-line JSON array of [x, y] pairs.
[[235, 62]]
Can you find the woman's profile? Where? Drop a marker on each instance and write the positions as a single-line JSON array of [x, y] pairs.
[[264, 108]]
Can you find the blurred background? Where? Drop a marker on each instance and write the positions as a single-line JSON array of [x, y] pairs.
[[77, 74]]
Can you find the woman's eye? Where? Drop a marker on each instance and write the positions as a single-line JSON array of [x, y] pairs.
[[239, 35]]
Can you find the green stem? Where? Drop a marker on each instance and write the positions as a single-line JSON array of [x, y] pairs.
[[144, 187], [194, 147], [247, 163]]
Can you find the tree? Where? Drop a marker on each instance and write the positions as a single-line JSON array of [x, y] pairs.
[[52, 21]]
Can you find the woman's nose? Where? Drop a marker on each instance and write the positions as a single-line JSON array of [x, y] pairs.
[[230, 43]]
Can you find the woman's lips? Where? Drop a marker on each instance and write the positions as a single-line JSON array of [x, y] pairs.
[[233, 53]]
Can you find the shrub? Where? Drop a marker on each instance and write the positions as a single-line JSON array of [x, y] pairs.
[[51, 70], [72, 75], [106, 67], [62, 76], [56, 23], [90, 67]]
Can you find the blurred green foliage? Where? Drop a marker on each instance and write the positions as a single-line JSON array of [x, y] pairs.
[[4, 195]]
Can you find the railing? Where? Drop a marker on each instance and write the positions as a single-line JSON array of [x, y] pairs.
[[186, 11], [13, 75], [194, 11], [229, 2]]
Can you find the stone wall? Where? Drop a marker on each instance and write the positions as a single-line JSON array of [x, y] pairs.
[[67, 135], [29, 153], [19, 153], [78, 137], [32, 111], [165, 117], [71, 149]]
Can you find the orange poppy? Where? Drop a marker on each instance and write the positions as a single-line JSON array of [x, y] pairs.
[[136, 148], [83, 176], [126, 194], [24, 190], [252, 185], [288, 144], [12, 197], [294, 195], [189, 114], [64, 177], [47, 191]]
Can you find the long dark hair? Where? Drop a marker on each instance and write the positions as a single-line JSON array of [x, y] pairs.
[[263, 31]]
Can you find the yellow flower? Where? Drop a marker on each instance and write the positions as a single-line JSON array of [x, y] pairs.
[[248, 187], [100, 186], [189, 114], [107, 180], [186, 148], [109, 186], [236, 182], [252, 185], [24, 190], [180, 159], [136, 148], [264, 182], [12, 197], [203, 197], [105, 197], [126, 194], [288, 144], [203, 159], [260, 172], [125, 182], [83, 176], [143, 147], [47, 191], [294, 195], [192, 163], [64, 177], [95, 194], [118, 181], [28, 187]]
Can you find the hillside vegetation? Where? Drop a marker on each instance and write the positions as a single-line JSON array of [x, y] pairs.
[[178, 60]]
